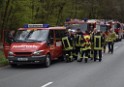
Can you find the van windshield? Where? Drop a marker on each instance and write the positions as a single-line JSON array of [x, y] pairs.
[[83, 27], [102, 28], [31, 35], [115, 26]]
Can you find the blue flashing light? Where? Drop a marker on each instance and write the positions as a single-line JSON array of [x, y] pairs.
[[46, 25], [25, 25], [85, 19], [36, 25], [68, 19]]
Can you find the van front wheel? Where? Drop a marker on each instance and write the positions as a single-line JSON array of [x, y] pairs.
[[47, 61], [13, 65]]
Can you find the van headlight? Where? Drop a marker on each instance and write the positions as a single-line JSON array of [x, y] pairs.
[[39, 52], [11, 53]]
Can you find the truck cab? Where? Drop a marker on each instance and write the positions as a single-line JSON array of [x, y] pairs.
[[102, 26], [35, 44], [75, 24], [117, 27]]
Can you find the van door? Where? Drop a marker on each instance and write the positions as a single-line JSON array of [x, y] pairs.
[[52, 44], [6, 42], [58, 42]]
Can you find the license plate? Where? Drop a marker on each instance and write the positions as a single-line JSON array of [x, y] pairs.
[[22, 59]]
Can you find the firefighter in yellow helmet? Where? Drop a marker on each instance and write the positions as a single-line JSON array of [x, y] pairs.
[[83, 49], [87, 45]]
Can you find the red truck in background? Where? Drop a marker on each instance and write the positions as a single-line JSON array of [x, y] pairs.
[[34, 44], [74, 24], [118, 28], [102, 26]]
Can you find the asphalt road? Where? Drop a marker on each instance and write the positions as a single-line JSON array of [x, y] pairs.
[[108, 73]]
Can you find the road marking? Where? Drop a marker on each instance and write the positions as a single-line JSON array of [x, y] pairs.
[[47, 84]]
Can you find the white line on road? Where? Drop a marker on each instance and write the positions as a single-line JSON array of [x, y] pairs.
[[47, 84]]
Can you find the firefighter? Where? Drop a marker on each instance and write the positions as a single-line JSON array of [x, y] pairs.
[[87, 46], [68, 46], [92, 48], [105, 42], [111, 37], [74, 45], [97, 45], [77, 42], [82, 49]]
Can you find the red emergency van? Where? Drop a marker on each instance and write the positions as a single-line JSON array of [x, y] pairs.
[[34, 44]]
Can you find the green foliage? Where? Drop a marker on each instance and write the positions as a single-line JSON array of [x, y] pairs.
[[3, 60], [16, 13]]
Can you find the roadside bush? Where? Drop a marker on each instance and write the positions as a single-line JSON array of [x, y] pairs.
[[3, 60]]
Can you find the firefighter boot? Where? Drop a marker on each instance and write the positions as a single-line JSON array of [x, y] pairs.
[[80, 58], [67, 58]]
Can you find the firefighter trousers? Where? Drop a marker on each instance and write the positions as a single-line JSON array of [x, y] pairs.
[[88, 53], [77, 50], [104, 47], [97, 54], [82, 54], [110, 47]]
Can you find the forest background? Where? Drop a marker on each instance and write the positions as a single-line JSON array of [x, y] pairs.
[[16, 13]]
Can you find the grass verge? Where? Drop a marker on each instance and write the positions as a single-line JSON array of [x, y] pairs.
[[3, 60]]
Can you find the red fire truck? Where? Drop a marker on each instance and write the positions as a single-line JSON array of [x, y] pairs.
[[118, 28], [81, 24], [34, 44], [102, 26], [123, 29]]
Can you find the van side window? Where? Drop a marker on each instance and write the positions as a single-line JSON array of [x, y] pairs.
[[62, 33], [51, 37], [59, 34]]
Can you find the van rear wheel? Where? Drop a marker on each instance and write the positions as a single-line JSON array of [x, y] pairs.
[[47, 61]]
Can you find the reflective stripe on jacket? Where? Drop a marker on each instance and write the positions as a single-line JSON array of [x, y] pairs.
[[97, 42], [111, 37], [66, 43]]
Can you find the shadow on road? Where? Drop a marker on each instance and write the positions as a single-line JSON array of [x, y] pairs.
[[37, 66]]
